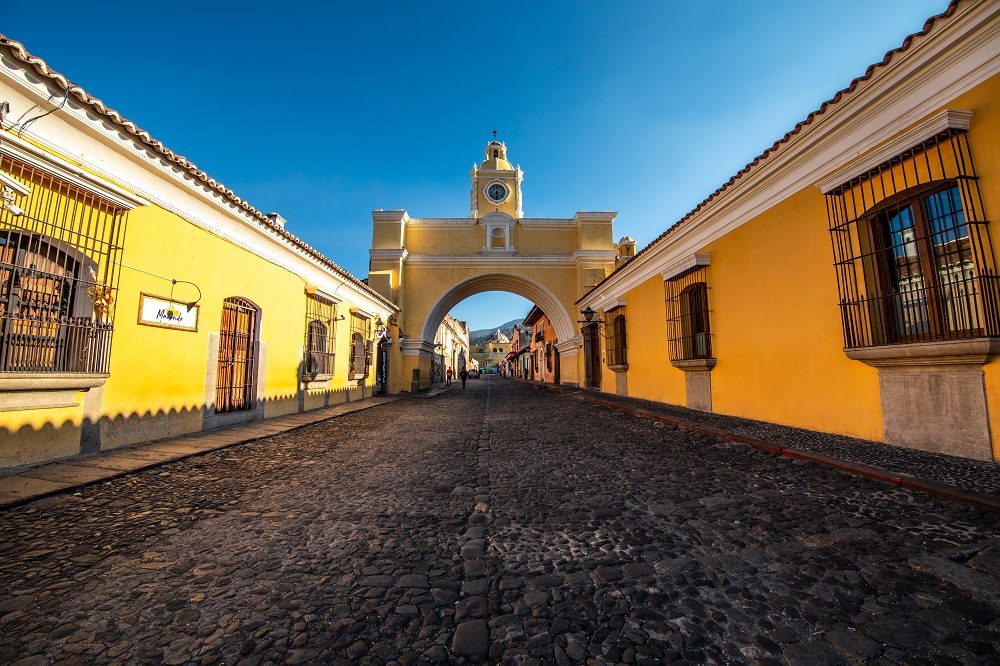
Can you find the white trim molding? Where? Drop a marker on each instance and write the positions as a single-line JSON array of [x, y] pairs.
[[613, 304], [416, 347], [940, 122], [313, 290], [358, 312], [390, 254], [687, 263], [23, 151]]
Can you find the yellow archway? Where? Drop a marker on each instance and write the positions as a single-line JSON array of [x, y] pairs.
[[428, 265]]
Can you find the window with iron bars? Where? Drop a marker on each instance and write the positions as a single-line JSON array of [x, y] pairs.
[[361, 346], [321, 336], [689, 333], [616, 343], [59, 265], [912, 249]]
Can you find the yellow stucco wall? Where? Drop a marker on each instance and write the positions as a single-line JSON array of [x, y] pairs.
[[650, 374], [776, 324], [157, 384], [984, 140], [778, 340]]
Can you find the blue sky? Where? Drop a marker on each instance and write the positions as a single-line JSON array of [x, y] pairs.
[[325, 111]]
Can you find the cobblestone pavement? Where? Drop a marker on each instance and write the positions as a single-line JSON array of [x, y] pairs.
[[974, 475], [497, 524]]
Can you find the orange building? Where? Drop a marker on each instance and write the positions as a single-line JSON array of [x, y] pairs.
[[542, 347]]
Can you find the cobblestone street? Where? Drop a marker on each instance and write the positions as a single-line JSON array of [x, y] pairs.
[[497, 524]]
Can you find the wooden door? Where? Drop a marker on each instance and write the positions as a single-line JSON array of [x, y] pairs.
[[235, 377]]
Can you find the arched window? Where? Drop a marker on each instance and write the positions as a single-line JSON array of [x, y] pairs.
[[361, 346], [317, 359], [46, 314], [912, 249], [321, 339]]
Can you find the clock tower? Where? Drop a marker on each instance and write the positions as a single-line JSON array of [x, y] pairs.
[[496, 185]]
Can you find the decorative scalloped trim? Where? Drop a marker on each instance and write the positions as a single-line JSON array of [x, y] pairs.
[[19, 52]]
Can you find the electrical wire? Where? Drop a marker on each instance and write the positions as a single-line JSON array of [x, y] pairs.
[[23, 126], [172, 281]]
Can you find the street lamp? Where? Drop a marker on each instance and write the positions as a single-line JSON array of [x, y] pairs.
[[588, 319]]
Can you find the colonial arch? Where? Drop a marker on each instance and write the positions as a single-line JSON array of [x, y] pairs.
[[515, 284], [429, 265]]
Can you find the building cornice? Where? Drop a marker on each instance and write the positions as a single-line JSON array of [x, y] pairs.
[[954, 54], [500, 259], [21, 150], [685, 264], [931, 127], [391, 254]]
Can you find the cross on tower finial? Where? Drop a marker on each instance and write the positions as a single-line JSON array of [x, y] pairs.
[[494, 135]]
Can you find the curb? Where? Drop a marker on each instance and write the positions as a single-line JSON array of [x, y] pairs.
[[4, 506], [944, 491]]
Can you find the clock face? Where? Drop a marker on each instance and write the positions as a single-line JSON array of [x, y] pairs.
[[497, 192]]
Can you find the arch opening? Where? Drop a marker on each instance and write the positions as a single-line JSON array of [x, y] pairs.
[[533, 291]]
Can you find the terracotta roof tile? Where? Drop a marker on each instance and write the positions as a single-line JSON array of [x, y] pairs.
[[19, 53], [823, 108]]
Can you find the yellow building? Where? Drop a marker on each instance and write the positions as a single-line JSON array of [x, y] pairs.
[[426, 266], [846, 279], [141, 298], [451, 348], [492, 352]]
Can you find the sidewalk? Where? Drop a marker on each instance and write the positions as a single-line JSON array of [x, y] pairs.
[[974, 482], [22, 484]]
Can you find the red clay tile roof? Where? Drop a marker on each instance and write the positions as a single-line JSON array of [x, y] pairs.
[[869, 73], [18, 52]]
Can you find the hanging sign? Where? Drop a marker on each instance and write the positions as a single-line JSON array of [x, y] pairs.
[[167, 313]]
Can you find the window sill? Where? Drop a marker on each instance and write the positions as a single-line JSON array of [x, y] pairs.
[[694, 364], [44, 390], [312, 382], [974, 351], [619, 367]]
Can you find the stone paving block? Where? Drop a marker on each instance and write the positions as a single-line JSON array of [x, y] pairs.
[[342, 542]]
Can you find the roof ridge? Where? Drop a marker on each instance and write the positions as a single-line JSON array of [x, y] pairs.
[[43, 69], [869, 72]]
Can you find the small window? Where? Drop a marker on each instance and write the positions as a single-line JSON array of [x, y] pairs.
[[616, 341], [320, 343], [689, 333], [361, 346]]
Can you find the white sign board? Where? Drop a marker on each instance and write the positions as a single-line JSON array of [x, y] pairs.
[[167, 313]]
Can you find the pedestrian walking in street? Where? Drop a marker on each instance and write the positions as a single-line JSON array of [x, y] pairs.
[[464, 375], [449, 376]]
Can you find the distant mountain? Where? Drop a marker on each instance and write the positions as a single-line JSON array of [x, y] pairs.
[[484, 334]]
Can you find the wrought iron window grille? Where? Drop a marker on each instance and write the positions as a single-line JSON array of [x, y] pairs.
[[616, 344], [60, 257], [689, 332], [912, 249], [361, 346], [235, 387], [321, 337]]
